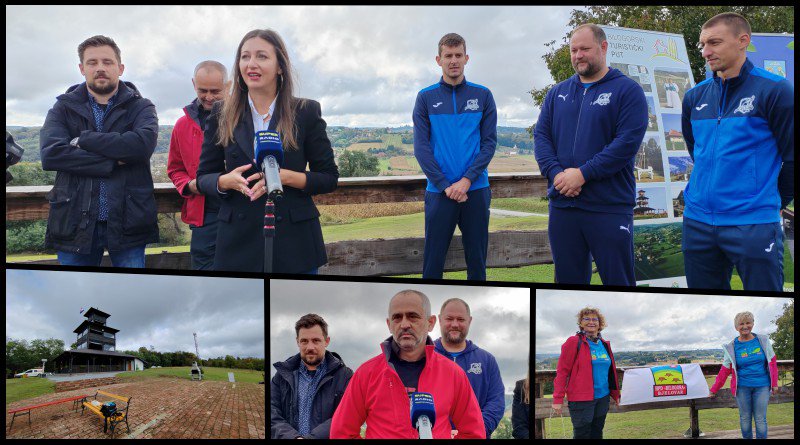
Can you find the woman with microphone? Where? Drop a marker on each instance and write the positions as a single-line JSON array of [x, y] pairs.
[[262, 99]]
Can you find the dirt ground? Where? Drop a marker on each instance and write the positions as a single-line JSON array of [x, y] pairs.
[[167, 408]]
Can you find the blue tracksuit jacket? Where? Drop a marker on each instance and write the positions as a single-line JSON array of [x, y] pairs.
[[597, 129], [484, 377], [738, 134], [455, 134]]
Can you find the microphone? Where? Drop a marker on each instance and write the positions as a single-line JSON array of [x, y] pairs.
[[423, 414], [269, 156]]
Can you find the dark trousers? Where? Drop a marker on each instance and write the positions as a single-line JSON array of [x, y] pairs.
[[589, 418], [711, 252], [577, 236], [442, 214], [204, 242]]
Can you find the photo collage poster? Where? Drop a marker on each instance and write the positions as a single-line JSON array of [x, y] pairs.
[[659, 63]]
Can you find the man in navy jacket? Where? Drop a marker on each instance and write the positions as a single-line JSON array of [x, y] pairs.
[[455, 136], [739, 130], [480, 366], [99, 137], [588, 132], [308, 386]]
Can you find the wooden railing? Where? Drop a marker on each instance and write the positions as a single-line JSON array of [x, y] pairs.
[[724, 399], [356, 257]]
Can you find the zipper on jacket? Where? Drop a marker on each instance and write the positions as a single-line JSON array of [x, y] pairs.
[[84, 213], [720, 111], [455, 108], [577, 125]]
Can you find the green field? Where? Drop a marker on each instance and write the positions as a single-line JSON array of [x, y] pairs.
[[21, 389], [27, 388], [413, 225]]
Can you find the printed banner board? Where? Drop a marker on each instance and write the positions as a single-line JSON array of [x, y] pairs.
[[659, 63], [662, 383]]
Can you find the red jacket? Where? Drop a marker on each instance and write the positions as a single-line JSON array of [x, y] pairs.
[[376, 395], [184, 156], [581, 382]]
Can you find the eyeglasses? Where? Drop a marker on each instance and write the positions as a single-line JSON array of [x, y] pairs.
[[591, 319]]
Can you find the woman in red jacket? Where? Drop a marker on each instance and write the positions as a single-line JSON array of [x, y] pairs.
[[587, 373]]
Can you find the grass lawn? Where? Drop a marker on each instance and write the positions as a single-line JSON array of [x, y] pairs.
[[209, 373], [21, 389], [670, 422], [27, 388]]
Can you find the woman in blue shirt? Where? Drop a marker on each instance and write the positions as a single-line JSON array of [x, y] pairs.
[[755, 375]]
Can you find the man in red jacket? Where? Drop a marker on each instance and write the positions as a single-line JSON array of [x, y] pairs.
[[380, 389], [210, 82]]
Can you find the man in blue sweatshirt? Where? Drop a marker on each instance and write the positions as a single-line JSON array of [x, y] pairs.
[[480, 366], [589, 130], [455, 135], [739, 130]]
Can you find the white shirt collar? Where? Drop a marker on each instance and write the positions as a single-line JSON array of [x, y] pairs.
[[256, 113]]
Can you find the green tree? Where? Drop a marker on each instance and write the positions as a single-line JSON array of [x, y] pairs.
[[230, 362], [682, 360], [31, 173], [783, 338], [357, 163], [678, 19]]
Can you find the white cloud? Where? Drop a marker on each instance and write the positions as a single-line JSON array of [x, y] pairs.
[[365, 64]]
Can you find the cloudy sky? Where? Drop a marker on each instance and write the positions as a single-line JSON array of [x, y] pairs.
[[356, 316], [651, 322], [364, 64], [159, 310]]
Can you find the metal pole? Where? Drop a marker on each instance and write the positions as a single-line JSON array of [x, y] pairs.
[[269, 233]]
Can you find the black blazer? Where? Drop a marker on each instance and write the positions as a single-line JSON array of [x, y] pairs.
[[520, 413], [298, 243]]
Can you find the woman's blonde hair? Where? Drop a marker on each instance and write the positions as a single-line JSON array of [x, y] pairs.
[[592, 310], [236, 104], [743, 315]]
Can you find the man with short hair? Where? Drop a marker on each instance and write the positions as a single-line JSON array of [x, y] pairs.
[[455, 136], [739, 130], [210, 83], [308, 386], [586, 138], [382, 387], [99, 137], [479, 365]]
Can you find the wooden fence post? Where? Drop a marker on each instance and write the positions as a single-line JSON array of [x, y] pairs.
[[538, 423], [695, 420]]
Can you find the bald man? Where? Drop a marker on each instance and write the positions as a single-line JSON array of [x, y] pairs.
[[379, 392], [210, 82]]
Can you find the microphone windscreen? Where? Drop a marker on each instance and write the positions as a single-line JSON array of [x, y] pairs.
[[268, 143], [422, 404]]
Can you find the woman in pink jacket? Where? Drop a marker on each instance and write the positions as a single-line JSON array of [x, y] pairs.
[[755, 375], [587, 374]]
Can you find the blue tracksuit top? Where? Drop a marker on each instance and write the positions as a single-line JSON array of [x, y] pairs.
[[738, 134], [484, 377], [455, 134], [598, 130]]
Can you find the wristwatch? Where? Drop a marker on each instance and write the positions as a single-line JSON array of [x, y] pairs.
[[74, 143]]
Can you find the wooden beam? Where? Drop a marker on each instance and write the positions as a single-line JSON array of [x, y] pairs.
[[28, 203], [394, 256]]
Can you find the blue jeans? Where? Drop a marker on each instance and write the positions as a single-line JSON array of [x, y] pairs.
[[753, 403], [204, 242], [132, 257], [589, 418]]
